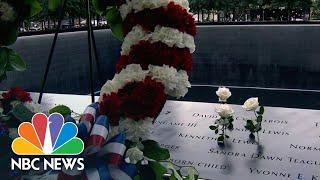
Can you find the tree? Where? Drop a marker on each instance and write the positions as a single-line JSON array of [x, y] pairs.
[[316, 9], [290, 5]]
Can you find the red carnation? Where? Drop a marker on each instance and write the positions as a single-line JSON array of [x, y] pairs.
[[17, 93], [142, 99], [173, 16], [110, 106], [122, 63], [146, 53]]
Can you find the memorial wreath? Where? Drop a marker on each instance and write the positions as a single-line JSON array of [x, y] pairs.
[[156, 57]]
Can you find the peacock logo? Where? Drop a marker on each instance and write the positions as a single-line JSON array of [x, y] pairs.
[[47, 136]]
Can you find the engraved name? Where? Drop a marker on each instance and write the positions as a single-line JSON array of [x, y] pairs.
[[304, 148], [270, 173]]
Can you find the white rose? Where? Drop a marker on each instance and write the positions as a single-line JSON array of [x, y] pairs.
[[6, 12], [251, 104], [224, 110], [134, 155], [223, 93]]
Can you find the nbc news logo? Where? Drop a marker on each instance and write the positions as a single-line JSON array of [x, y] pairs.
[[47, 136]]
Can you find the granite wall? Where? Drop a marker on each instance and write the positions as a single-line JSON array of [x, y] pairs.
[[284, 56]]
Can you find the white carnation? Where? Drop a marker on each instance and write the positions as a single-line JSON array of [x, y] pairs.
[[183, 3], [182, 86], [169, 36], [176, 83], [125, 9], [136, 35], [132, 73], [173, 37], [7, 13], [134, 130]]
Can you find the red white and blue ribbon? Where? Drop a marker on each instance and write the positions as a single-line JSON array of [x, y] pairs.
[[114, 150], [104, 159], [87, 120], [98, 135]]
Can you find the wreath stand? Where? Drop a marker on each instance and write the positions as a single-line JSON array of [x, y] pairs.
[[91, 45]]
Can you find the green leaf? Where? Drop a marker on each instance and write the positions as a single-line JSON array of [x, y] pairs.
[[3, 59], [53, 4], [259, 118], [62, 109], [113, 16], [16, 62], [230, 127], [261, 110], [5, 118], [35, 7], [213, 127], [146, 172], [193, 174], [249, 126], [115, 22], [172, 177], [152, 150], [175, 175], [220, 139], [216, 131], [117, 31], [100, 6], [252, 136], [22, 113], [158, 169], [231, 119], [9, 33]]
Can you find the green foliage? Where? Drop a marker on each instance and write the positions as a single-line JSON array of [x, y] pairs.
[[146, 172], [316, 9], [53, 4], [10, 61], [8, 33], [15, 62], [21, 113], [222, 125], [34, 6], [254, 126], [115, 22], [153, 150], [157, 169], [249, 126], [100, 5], [62, 109], [221, 139], [261, 110]]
